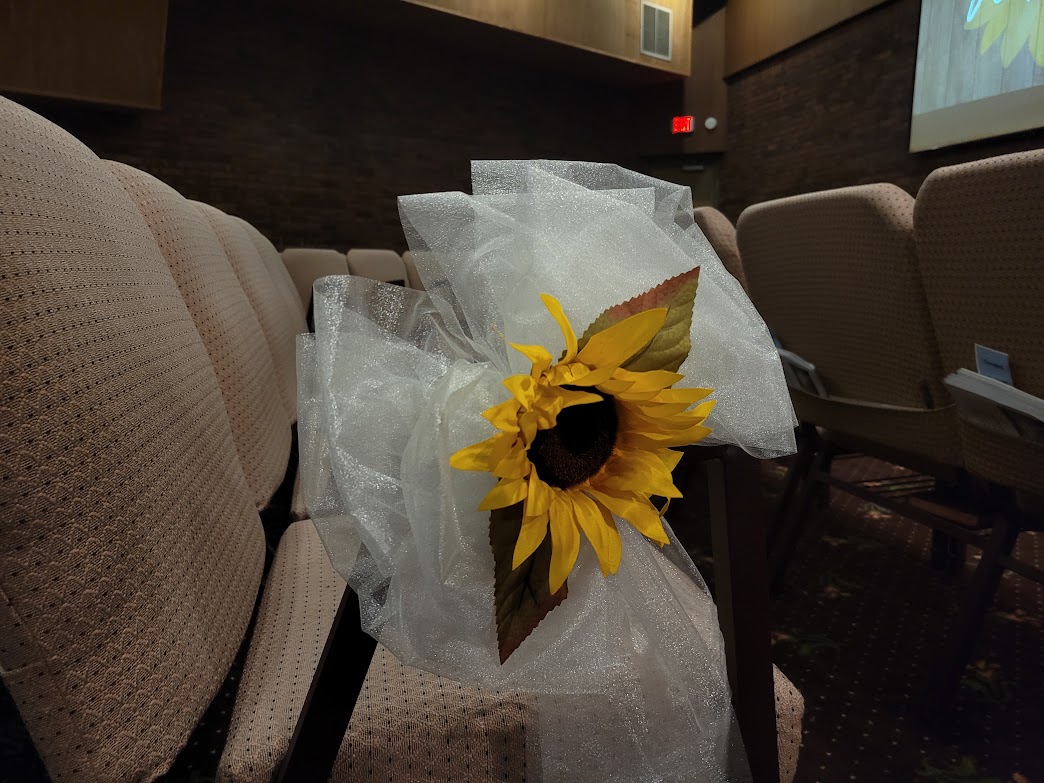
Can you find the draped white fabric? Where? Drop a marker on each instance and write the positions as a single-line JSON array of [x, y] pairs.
[[628, 673]]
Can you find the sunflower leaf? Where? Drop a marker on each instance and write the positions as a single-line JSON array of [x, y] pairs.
[[522, 596], [670, 346]]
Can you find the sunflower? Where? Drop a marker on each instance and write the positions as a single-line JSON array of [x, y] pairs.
[[1021, 22], [583, 439]]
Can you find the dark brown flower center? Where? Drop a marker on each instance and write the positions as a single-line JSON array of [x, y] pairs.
[[578, 445]]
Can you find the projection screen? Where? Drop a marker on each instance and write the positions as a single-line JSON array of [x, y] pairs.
[[980, 71]]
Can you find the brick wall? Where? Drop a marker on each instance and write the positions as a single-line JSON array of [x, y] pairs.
[[310, 129], [835, 111]]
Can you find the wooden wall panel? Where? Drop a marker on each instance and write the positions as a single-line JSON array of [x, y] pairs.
[[703, 94], [102, 51], [758, 29], [611, 27]]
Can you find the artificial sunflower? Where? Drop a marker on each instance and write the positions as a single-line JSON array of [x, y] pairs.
[[591, 435]]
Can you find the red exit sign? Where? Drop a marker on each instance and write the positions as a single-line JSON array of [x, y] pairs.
[[682, 124]]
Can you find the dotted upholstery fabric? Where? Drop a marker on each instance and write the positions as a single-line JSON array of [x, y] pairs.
[[722, 236], [228, 325], [408, 725], [263, 294], [980, 239], [130, 549], [306, 265], [790, 712], [835, 276], [385, 265], [412, 277], [277, 269]]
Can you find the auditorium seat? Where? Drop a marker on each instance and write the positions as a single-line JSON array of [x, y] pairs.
[[835, 275], [306, 265], [412, 276], [980, 240], [383, 265], [722, 236]]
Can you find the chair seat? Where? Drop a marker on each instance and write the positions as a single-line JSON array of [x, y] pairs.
[[408, 725]]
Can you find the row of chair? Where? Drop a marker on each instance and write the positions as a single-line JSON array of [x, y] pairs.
[[306, 265], [147, 409], [886, 295]]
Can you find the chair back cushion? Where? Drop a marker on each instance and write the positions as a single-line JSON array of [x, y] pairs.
[[277, 269], [722, 236], [308, 264], [835, 276], [384, 265], [263, 293], [228, 325], [980, 239]]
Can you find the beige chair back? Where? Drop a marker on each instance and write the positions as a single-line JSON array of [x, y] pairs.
[[383, 265], [835, 276], [130, 549], [307, 264], [980, 240], [412, 276], [277, 269], [226, 322], [722, 236], [264, 296]]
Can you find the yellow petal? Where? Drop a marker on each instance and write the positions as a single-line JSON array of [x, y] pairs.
[[523, 388], [538, 501], [515, 465], [577, 374], [994, 30], [670, 458], [484, 455], [504, 416], [655, 440], [637, 510], [507, 493], [555, 308], [687, 395], [528, 425], [633, 420], [530, 537], [537, 354], [624, 381], [600, 529], [565, 540], [637, 470], [1020, 25], [613, 346]]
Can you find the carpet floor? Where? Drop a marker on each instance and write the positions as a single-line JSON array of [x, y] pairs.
[[862, 620]]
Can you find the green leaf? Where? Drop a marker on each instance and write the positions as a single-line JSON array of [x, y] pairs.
[[670, 346], [522, 596]]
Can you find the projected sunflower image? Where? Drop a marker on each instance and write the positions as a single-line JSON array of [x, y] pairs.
[[1020, 22]]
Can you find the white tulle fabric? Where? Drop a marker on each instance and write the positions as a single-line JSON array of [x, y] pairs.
[[628, 673]]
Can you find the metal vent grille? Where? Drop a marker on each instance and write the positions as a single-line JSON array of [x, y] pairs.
[[656, 31]]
